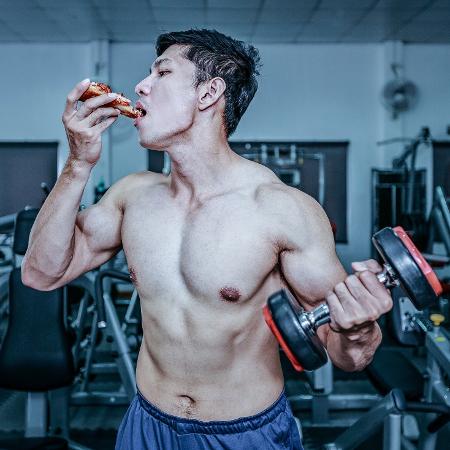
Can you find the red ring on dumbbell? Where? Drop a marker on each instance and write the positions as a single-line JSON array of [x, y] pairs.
[[271, 323], [420, 260]]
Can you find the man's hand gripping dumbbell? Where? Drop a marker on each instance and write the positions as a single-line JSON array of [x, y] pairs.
[[295, 329]]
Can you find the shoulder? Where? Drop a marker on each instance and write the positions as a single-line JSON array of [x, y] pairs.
[[295, 216], [277, 197], [134, 184], [272, 196]]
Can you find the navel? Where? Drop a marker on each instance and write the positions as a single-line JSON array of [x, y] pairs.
[[186, 405], [230, 294]]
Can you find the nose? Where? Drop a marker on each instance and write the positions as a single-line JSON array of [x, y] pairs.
[[142, 88]]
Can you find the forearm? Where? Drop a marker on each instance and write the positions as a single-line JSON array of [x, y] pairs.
[[353, 351], [52, 237]]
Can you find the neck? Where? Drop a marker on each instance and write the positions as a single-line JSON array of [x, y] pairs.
[[200, 169]]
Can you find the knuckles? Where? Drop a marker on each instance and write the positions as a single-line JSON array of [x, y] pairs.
[[340, 289], [343, 324], [367, 312], [355, 322], [372, 317], [368, 276], [352, 280], [386, 302], [88, 134], [361, 312]]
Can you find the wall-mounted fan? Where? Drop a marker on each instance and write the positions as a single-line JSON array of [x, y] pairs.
[[399, 94]]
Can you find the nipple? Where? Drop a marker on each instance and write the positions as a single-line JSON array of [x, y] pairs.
[[230, 294], [133, 277]]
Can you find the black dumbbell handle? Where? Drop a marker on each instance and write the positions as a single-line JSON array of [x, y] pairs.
[[321, 315]]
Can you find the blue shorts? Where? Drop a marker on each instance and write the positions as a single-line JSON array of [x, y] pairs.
[[146, 427]]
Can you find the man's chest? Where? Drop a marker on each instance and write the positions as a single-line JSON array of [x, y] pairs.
[[222, 250]]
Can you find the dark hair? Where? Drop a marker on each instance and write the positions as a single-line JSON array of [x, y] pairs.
[[217, 55]]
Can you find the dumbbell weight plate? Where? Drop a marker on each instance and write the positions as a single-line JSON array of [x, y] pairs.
[[415, 275], [304, 349], [420, 260]]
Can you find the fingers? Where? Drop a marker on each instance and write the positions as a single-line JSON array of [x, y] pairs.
[[358, 301], [365, 299], [369, 264], [100, 114], [102, 126], [93, 103], [366, 271], [371, 282], [345, 312], [344, 295], [377, 290], [74, 95], [337, 312]]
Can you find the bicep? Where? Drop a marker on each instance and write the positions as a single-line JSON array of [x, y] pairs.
[[307, 250], [309, 265], [310, 276], [97, 236], [99, 232], [312, 273]]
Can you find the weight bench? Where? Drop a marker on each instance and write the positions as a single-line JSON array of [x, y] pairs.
[[403, 385], [391, 369], [36, 354]]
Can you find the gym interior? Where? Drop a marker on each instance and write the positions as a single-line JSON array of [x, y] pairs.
[[352, 108]]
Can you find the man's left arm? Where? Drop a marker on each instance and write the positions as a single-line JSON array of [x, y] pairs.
[[314, 274]]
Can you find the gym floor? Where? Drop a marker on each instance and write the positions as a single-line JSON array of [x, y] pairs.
[[96, 426]]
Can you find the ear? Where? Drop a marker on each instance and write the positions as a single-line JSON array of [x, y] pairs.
[[210, 92]]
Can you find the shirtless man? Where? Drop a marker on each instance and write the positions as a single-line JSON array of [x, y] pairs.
[[206, 246]]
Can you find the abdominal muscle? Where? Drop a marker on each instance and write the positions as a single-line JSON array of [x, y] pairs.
[[216, 365]]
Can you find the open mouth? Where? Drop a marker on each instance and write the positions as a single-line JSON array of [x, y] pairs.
[[140, 108]]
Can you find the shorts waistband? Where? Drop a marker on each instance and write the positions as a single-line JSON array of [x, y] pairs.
[[183, 425]]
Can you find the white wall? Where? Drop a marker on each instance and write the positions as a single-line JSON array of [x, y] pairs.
[[35, 80], [308, 92]]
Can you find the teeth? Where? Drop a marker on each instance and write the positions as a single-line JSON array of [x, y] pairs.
[[142, 111]]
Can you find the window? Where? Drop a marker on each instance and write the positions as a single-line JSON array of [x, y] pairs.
[[23, 167]]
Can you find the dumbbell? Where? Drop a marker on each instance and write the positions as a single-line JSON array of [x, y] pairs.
[[295, 329]]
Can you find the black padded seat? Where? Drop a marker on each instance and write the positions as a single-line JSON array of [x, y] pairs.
[[36, 351], [36, 354], [392, 369], [24, 222], [44, 443]]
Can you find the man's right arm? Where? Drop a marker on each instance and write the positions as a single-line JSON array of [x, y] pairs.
[[63, 242]]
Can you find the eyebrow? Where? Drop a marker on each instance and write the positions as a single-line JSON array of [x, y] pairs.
[[158, 62]]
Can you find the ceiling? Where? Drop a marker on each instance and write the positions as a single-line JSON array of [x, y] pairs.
[[258, 21]]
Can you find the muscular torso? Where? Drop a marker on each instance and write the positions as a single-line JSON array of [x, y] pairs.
[[203, 273]]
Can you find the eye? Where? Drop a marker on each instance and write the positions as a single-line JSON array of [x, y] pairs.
[[161, 73]]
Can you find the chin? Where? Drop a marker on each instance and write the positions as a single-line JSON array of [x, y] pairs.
[[160, 138], [152, 143]]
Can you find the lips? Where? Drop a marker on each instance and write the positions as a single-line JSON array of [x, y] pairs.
[[140, 107]]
